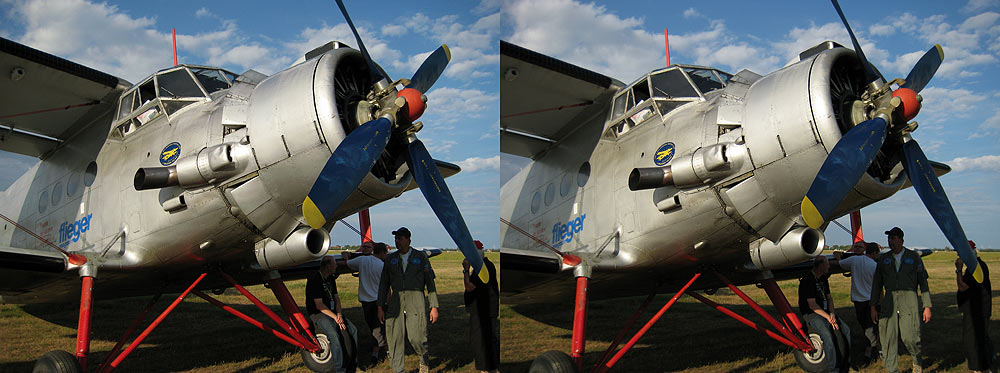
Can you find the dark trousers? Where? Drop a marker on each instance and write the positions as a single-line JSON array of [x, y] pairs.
[[863, 311], [976, 337], [484, 337], [370, 310]]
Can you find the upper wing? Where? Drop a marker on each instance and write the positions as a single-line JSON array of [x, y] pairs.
[[47, 99], [542, 99]]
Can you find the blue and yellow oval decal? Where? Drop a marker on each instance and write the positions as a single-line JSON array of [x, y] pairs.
[[664, 154], [170, 153]]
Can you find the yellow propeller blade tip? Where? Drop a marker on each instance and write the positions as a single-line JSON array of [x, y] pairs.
[[313, 216], [811, 214], [978, 274], [484, 275]]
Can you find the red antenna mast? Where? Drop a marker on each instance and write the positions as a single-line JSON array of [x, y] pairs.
[[173, 32], [666, 45]]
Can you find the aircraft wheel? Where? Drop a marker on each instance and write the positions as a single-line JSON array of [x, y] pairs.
[[816, 361], [321, 361], [57, 361], [552, 362]]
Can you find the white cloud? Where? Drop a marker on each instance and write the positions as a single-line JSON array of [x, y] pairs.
[[942, 104], [881, 30], [691, 13], [990, 163], [438, 146], [393, 30], [454, 104], [977, 5], [474, 164], [311, 38], [202, 13], [586, 35], [132, 47]]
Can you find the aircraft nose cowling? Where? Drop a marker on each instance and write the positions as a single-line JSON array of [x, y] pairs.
[[296, 118], [792, 120]]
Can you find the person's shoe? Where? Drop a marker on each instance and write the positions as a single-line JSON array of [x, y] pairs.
[[424, 368], [917, 369]]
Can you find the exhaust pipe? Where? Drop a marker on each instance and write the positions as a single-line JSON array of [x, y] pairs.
[[209, 166], [302, 246], [797, 245], [705, 166]]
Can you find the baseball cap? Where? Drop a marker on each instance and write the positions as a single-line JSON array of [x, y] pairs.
[[895, 231], [402, 231]]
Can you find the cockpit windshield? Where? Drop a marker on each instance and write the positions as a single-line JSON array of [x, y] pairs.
[[668, 88], [167, 92]]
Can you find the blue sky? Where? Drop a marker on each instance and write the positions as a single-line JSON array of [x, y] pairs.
[[959, 122], [132, 39]]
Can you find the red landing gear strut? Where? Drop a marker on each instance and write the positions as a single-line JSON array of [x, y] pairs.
[[789, 331], [296, 332]]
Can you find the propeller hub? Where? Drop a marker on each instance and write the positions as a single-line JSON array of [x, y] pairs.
[[415, 104], [911, 102]]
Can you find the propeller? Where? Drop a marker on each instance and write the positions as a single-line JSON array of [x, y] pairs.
[[357, 153], [926, 183], [853, 154], [345, 169], [842, 169], [436, 192]]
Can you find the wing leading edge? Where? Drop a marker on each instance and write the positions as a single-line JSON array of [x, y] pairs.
[[543, 99], [48, 99]]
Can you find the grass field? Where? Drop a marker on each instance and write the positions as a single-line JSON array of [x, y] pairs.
[[199, 337], [692, 337]]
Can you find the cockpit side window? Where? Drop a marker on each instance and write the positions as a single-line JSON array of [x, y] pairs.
[[178, 83], [619, 105], [125, 106], [704, 79], [211, 79]]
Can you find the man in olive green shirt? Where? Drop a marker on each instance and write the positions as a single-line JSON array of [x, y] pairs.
[[900, 272], [406, 273]]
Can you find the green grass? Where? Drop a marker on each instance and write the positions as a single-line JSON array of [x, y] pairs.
[[692, 337], [199, 337]]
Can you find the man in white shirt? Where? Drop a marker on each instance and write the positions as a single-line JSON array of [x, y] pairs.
[[862, 268], [369, 267]]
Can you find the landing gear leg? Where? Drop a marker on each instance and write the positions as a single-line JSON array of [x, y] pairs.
[[557, 361], [62, 361]]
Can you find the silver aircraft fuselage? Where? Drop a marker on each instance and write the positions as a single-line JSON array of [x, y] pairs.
[[742, 151], [246, 151]]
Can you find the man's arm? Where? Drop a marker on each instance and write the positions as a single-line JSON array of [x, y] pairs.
[[876, 298], [925, 292], [819, 311]]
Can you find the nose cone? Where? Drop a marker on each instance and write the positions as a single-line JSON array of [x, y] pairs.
[[911, 102]]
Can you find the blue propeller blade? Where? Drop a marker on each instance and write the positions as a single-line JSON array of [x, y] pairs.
[[842, 169], [870, 73], [345, 169], [372, 68], [924, 70], [926, 183], [435, 191], [431, 69]]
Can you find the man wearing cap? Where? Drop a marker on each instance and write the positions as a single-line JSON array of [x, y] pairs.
[[900, 272], [975, 301], [404, 310]]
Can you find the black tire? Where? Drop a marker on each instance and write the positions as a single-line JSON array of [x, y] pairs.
[[57, 361], [552, 362], [816, 361], [321, 361]]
